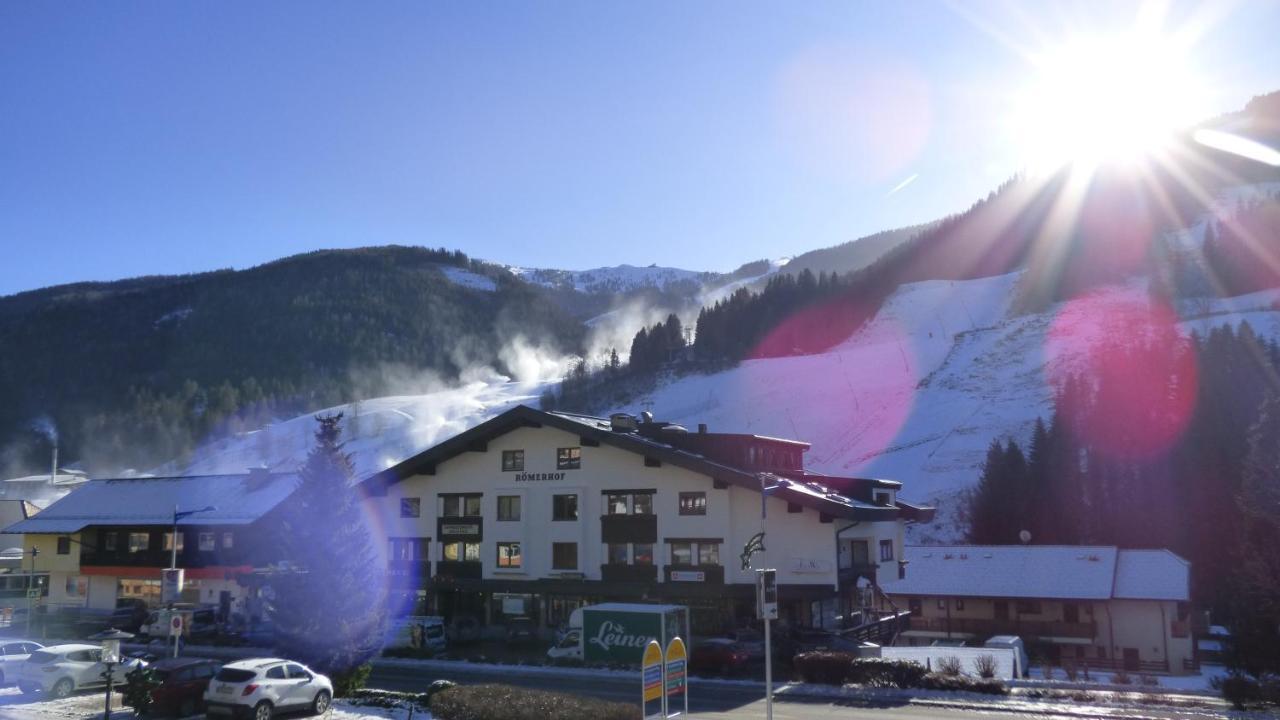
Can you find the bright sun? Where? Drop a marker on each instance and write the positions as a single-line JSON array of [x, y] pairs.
[[1106, 100]]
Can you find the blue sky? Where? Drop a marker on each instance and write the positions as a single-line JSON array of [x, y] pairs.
[[167, 137]]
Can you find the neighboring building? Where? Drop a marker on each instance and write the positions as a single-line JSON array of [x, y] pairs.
[[536, 513], [110, 538], [1099, 606], [15, 576]]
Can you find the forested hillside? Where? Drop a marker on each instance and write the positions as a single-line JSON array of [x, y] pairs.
[[137, 371]]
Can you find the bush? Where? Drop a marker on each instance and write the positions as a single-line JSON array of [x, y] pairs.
[[944, 681], [1149, 680], [409, 652], [1071, 671], [345, 683], [950, 665], [504, 702], [1238, 689], [985, 666], [879, 672], [139, 682], [1121, 677], [830, 668]]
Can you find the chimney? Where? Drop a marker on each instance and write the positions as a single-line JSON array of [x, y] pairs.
[[702, 428], [622, 423], [53, 470]]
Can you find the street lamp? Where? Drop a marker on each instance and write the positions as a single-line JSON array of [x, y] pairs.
[[173, 539], [31, 580], [110, 639], [171, 581]]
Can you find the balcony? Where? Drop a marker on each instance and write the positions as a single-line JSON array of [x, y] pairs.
[[460, 529], [459, 570], [629, 528], [410, 574], [701, 574], [988, 627], [188, 558], [618, 572]]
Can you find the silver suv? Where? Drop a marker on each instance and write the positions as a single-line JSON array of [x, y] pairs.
[[259, 688]]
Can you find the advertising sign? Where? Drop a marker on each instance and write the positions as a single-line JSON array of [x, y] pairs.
[[175, 625], [676, 682], [651, 682], [612, 636], [171, 585], [688, 576]]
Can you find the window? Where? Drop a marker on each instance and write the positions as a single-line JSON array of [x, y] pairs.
[[296, 672], [207, 542], [410, 507], [1027, 607], [408, 549], [882, 498], [617, 553], [139, 542], [227, 541], [942, 603], [886, 550], [509, 555], [276, 673], [615, 504], [509, 507], [693, 503], [109, 542], [77, 586], [462, 552], [681, 553], [708, 554], [168, 541], [564, 507], [959, 604], [915, 606], [642, 504], [642, 553], [564, 556], [64, 546], [512, 460], [460, 506], [568, 458]]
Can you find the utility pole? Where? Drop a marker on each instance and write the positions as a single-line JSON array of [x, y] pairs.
[[767, 597], [173, 580], [31, 581]]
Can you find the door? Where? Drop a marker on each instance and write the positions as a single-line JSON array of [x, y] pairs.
[[1131, 660], [861, 553], [302, 690], [277, 686], [1070, 613], [1002, 610]]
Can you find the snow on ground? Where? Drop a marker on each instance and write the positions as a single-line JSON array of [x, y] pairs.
[[468, 279], [608, 279], [711, 296], [16, 706]]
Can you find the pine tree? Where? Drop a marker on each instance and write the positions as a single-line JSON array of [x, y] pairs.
[[329, 603]]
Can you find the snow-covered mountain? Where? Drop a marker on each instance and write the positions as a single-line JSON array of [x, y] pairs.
[[622, 278]]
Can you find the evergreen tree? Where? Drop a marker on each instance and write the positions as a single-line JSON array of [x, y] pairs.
[[1255, 598], [329, 604]]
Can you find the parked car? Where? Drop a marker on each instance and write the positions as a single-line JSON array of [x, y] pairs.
[[63, 669], [259, 688], [12, 654], [521, 630], [183, 682], [718, 655], [750, 640]]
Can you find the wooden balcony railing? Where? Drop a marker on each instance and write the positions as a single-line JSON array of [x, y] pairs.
[[618, 572], [982, 626]]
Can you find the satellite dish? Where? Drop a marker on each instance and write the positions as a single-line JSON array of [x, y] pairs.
[[1025, 536]]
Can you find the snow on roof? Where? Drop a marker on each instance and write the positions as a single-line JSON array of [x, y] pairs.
[[238, 500], [1068, 572], [1009, 571], [1152, 575]]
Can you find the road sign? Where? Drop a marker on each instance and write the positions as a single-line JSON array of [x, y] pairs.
[[651, 681], [175, 625], [171, 585], [767, 594], [676, 682]]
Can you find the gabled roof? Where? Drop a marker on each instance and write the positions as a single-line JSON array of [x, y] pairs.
[[595, 430], [238, 499], [1045, 572]]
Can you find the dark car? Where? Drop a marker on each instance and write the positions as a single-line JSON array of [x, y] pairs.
[[129, 614], [182, 685], [718, 656], [521, 630]]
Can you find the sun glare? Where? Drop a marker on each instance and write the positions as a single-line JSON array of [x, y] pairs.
[[1106, 100]]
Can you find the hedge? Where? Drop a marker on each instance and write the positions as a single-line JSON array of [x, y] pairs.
[[878, 672], [829, 668], [504, 702], [943, 681]]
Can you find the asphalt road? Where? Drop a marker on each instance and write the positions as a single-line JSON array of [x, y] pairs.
[[725, 702]]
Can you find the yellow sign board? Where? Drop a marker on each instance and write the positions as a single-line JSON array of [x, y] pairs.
[[676, 682], [651, 678]]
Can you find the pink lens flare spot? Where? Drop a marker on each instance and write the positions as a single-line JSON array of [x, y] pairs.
[[1137, 373]]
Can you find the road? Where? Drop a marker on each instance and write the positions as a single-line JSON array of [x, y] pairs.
[[726, 702]]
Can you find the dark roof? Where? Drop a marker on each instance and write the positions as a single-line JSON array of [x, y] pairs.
[[594, 430]]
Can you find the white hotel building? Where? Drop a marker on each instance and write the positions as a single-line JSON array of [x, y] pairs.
[[536, 513]]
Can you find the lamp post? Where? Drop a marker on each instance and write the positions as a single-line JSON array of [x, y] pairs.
[[110, 639], [31, 581]]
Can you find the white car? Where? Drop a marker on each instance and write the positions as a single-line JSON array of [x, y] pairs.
[[12, 654], [257, 689], [63, 669]]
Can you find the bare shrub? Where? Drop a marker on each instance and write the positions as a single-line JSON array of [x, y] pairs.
[[985, 666], [950, 665], [1071, 671]]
